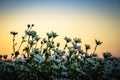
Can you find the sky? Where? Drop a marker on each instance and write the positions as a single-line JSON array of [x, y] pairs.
[[86, 19]]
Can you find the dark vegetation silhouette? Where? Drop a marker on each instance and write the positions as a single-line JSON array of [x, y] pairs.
[[48, 61]]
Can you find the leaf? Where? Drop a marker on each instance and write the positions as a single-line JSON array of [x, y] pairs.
[[15, 44]]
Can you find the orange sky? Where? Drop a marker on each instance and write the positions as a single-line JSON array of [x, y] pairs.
[[86, 20]]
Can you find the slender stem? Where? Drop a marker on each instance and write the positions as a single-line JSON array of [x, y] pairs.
[[48, 44], [49, 51], [30, 48], [13, 43], [30, 28], [41, 48], [65, 46], [52, 40], [95, 49], [20, 46], [28, 39], [28, 42], [22, 41], [86, 52]]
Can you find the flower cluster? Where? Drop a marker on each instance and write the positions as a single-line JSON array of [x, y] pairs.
[[43, 59]]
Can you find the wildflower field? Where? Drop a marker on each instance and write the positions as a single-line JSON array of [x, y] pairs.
[[49, 62]]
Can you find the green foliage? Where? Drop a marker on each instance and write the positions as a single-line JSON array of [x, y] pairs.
[[48, 61], [107, 55]]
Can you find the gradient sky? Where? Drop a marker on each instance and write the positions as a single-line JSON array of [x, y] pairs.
[[87, 19]]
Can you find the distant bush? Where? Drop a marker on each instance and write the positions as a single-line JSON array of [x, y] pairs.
[[50, 62]]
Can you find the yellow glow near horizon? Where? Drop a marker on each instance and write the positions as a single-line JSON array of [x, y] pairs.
[[84, 24]]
